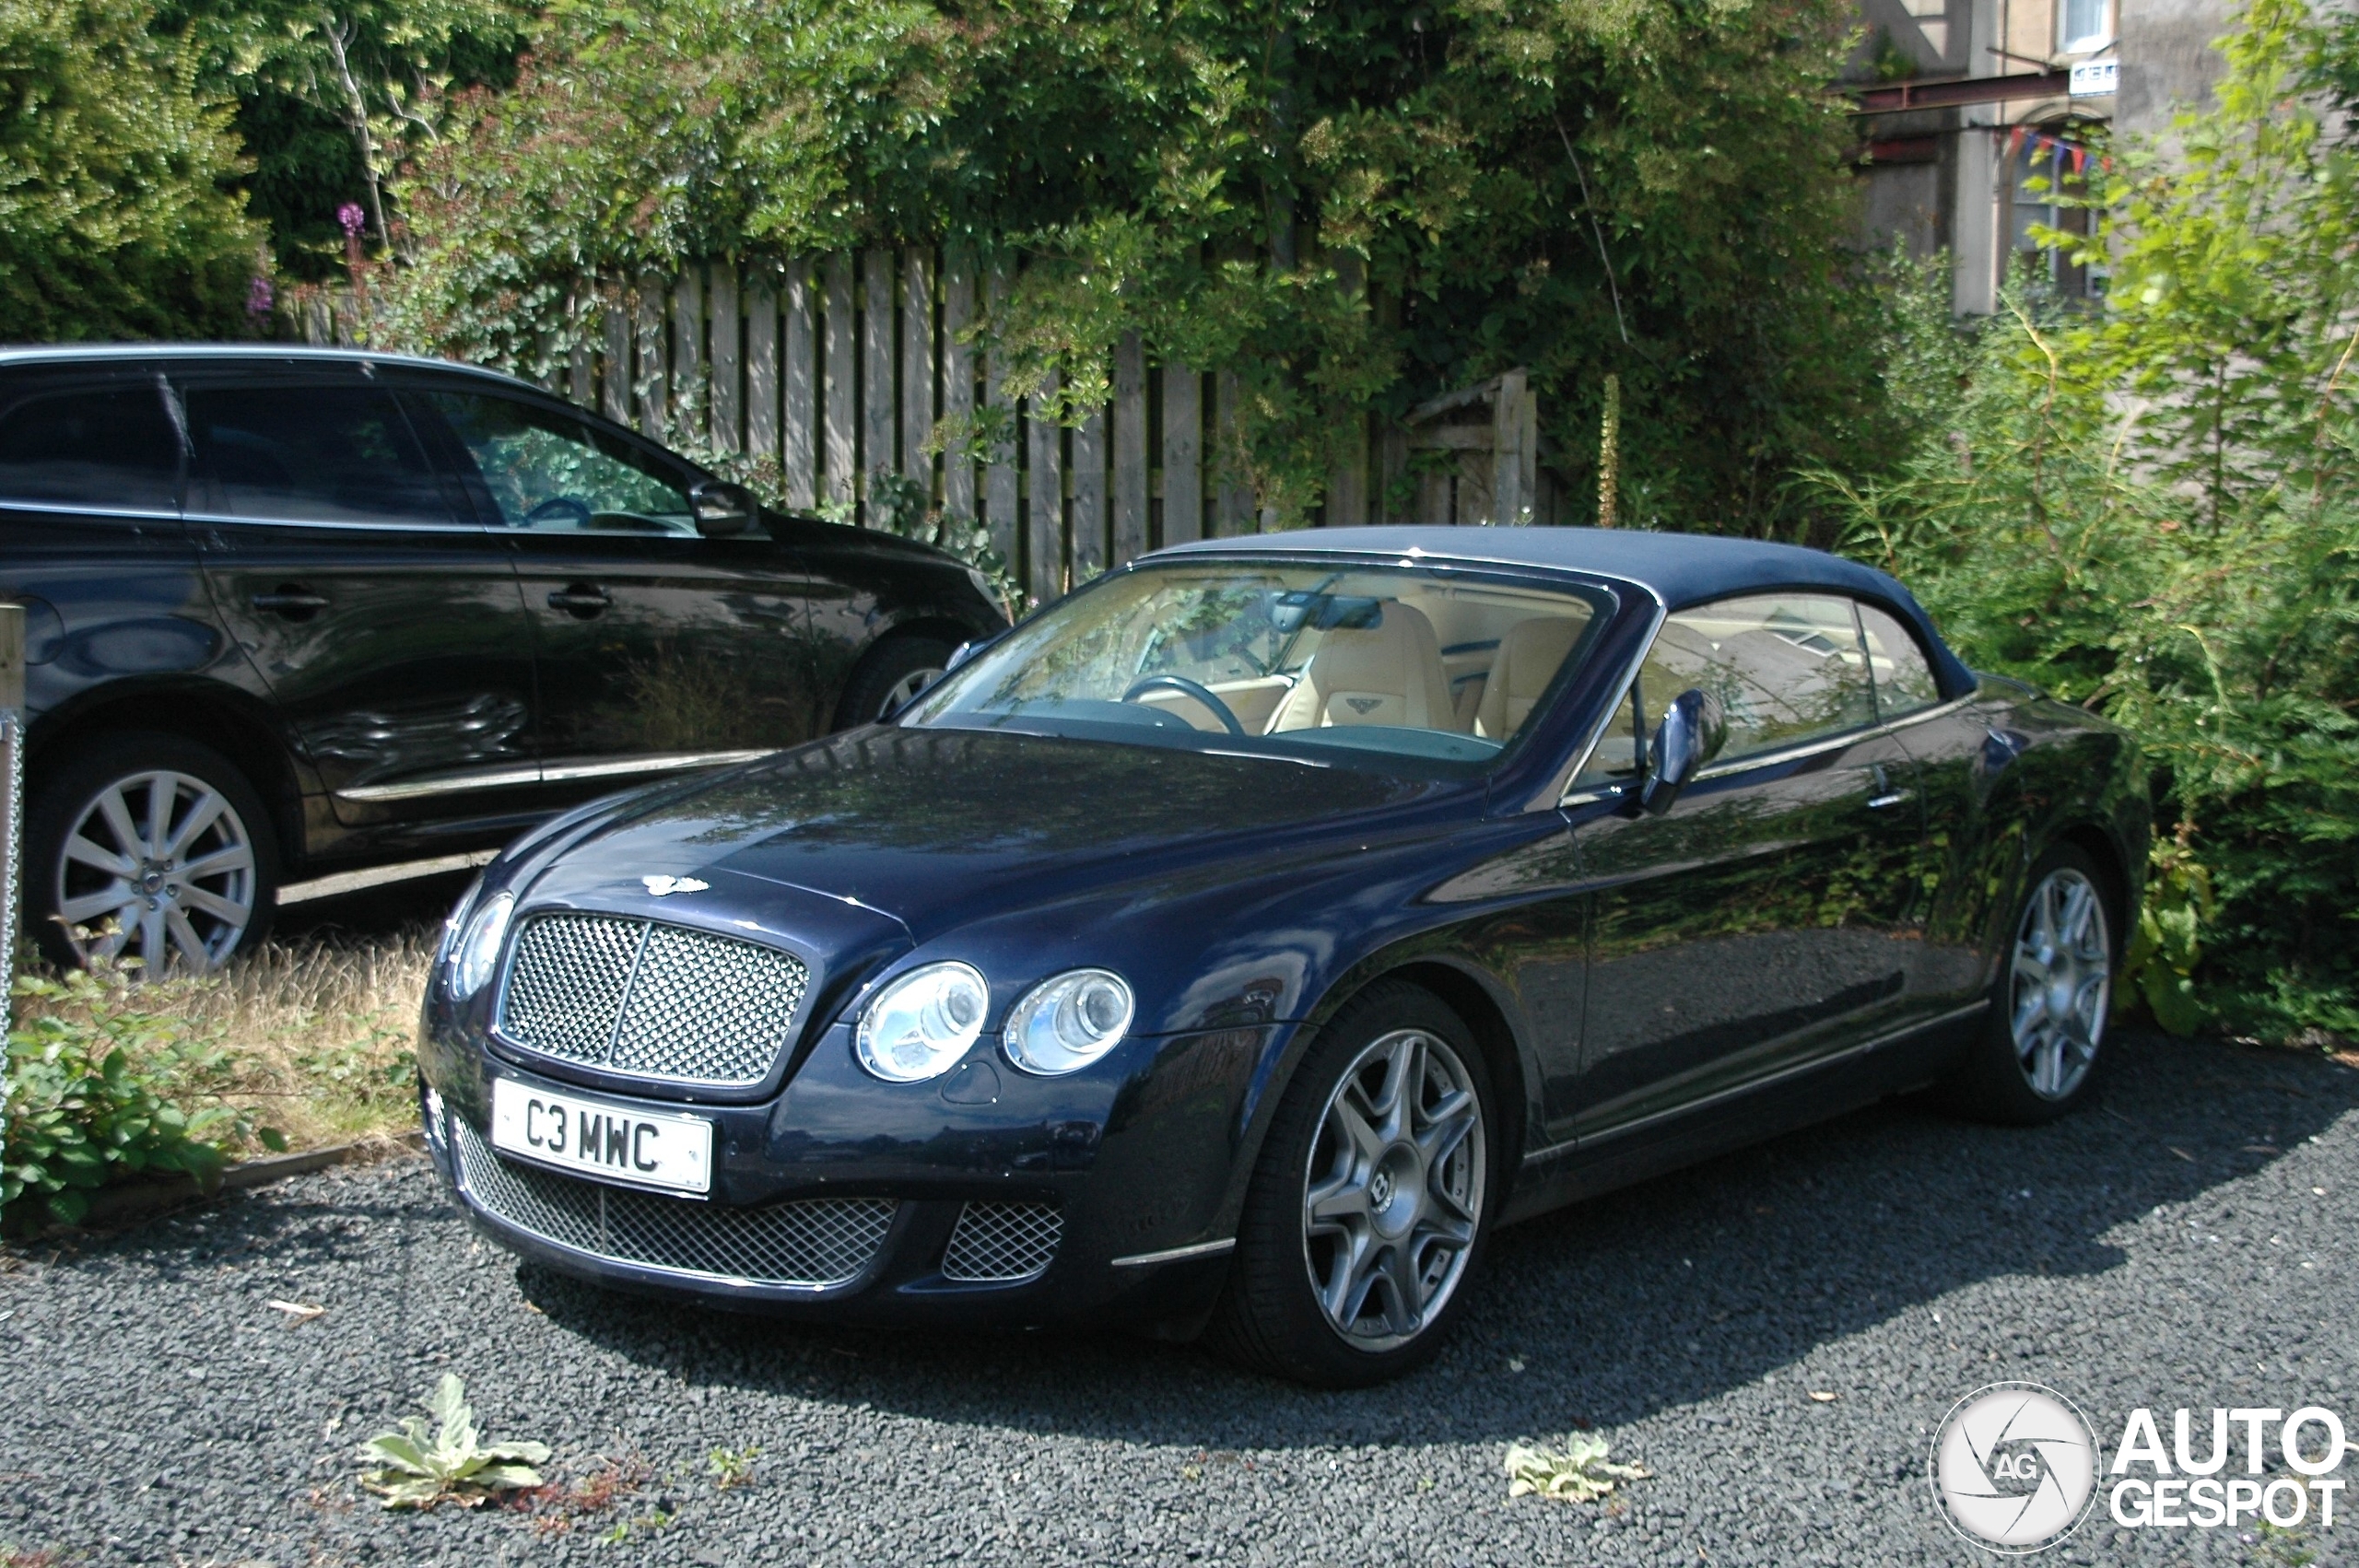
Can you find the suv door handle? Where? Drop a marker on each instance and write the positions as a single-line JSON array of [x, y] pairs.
[[290, 599], [582, 598], [1885, 795]]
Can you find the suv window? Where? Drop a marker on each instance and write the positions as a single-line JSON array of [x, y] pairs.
[[1788, 668], [111, 447], [310, 454], [547, 470], [1903, 677]]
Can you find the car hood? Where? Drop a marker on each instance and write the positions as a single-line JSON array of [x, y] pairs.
[[937, 827]]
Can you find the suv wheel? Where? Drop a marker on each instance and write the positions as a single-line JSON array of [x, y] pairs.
[[1370, 1202], [148, 847], [891, 673]]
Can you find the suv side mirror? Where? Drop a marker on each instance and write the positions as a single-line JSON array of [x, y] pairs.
[[722, 509], [1692, 732], [968, 650]]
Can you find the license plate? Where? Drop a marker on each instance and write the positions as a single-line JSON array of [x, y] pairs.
[[598, 1138]]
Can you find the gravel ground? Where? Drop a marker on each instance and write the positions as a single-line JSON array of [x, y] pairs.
[[2186, 1242]]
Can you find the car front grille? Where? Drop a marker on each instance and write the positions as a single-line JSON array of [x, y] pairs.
[[651, 1000], [808, 1244], [1003, 1243]]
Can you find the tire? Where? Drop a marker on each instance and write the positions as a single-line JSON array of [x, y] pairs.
[[2038, 1050], [889, 674], [165, 916], [1302, 1301]]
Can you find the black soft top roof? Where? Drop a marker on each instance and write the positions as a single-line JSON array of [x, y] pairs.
[[1679, 568]]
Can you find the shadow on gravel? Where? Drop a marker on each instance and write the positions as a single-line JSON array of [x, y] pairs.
[[1662, 1295]]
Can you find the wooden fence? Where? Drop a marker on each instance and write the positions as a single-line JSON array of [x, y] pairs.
[[840, 367]]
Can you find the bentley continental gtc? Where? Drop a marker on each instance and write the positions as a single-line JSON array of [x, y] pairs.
[[1235, 945]]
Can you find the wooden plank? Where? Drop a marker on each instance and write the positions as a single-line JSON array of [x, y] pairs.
[[761, 363], [799, 389], [917, 368], [1129, 450], [691, 399], [1512, 471], [1089, 497], [724, 331], [1044, 536], [582, 309], [614, 374], [1347, 481], [1183, 455], [1392, 469], [1233, 500], [651, 385], [1002, 483], [957, 381], [876, 411], [842, 468]]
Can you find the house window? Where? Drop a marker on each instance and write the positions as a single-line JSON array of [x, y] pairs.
[[2084, 25], [2061, 165]]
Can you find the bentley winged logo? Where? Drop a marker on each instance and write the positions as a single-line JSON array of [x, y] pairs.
[[664, 886]]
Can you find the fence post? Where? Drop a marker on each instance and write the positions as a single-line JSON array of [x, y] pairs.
[[12, 779]]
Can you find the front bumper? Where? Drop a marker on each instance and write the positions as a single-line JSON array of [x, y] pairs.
[[843, 1198]]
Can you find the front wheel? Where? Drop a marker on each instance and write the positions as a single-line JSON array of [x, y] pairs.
[[1370, 1202], [2037, 1054], [889, 674]]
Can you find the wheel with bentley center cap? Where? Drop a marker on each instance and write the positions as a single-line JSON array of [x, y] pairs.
[[1370, 1202], [2037, 1054]]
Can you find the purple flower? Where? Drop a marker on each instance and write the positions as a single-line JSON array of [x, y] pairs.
[[351, 217], [260, 297]]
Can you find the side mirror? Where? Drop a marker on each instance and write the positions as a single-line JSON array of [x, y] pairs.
[[1692, 732], [968, 648], [722, 509]]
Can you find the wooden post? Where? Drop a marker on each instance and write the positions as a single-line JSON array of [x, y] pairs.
[[614, 370], [725, 408], [799, 394], [1183, 455], [1514, 471], [957, 382], [1129, 450], [761, 363], [1002, 483], [1089, 497], [842, 384], [1234, 506], [917, 368], [649, 384], [689, 397], [1045, 534], [876, 411]]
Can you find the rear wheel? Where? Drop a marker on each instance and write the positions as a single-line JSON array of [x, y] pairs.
[[892, 672], [148, 847], [2037, 1054], [1370, 1202]]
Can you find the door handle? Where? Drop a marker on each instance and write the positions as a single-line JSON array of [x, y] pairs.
[[290, 599], [582, 598], [1889, 798]]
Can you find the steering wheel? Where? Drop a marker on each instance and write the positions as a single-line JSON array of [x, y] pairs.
[[557, 507], [1201, 693]]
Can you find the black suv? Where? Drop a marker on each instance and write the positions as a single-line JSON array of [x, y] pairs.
[[298, 612]]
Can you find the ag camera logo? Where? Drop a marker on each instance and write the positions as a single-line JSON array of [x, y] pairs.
[[2015, 1468]]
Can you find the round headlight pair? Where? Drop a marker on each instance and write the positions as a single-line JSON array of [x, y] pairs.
[[920, 1025]]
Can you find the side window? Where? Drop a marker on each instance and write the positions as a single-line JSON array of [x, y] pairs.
[[111, 448], [1787, 668], [310, 454], [1616, 755], [1903, 677], [547, 470]]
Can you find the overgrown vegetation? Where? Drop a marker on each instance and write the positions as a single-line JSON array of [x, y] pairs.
[[1586, 189], [418, 1466], [2147, 509]]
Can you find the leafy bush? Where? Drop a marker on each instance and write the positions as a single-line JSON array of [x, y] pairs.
[[114, 221], [2148, 510], [102, 1081]]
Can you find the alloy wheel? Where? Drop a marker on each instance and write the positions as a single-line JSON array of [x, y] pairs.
[[2062, 983], [1392, 1199], [907, 688], [158, 866]]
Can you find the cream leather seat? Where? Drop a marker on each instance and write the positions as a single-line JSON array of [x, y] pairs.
[[1388, 674], [1528, 657]]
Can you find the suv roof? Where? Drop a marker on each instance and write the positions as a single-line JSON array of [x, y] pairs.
[[100, 353]]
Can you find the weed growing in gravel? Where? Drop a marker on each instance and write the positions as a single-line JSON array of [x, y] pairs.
[[18, 1557], [1578, 1474], [732, 1467], [418, 1469], [559, 1507]]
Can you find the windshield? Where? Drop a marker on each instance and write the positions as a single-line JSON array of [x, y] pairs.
[[1387, 665]]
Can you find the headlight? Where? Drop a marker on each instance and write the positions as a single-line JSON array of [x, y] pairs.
[[456, 920], [477, 951], [920, 1024], [1067, 1023]]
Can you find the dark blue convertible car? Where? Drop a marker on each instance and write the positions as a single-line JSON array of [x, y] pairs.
[[1237, 942]]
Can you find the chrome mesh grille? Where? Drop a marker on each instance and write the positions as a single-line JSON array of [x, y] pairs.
[[653, 1001], [810, 1243], [1002, 1243]]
